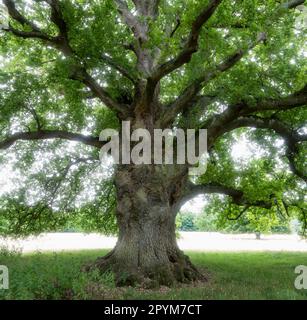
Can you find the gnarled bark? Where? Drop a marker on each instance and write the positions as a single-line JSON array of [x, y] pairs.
[[146, 252]]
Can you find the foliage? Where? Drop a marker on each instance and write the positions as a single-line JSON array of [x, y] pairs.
[[186, 221], [249, 223], [59, 184]]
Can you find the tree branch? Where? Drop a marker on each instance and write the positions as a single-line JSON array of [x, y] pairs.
[[29, 34], [17, 16], [36, 117], [61, 42], [237, 196], [50, 134], [295, 100], [243, 24], [290, 137], [147, 7], [240, 214], [191, 45], [295, 170], [139, 30], [178, 23], [218, 124], [100, 92], [292, 4], [276, 125], [179, 104], [192, 90], [126, 73]]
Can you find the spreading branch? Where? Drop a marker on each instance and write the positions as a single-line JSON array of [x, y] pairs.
[[292, 101], [139, 30], [238, 197], [50, 134], [239, 215], [147, 8], [178, 23], [191, 45], [283, 130], [117, 66], [36, 117], [245, 24], [217, 125], [291, 138], [292, 4], [61, 43], [193, 89]]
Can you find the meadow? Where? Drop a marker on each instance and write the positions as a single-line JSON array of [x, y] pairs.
[[268, 275]]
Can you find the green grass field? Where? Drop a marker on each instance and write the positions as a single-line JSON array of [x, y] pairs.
[[232, 276]]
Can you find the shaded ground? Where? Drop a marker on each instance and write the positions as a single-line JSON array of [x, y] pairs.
[[257, 275], [196, 241]]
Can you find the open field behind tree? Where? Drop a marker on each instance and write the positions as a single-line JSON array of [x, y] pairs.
[[196, 241]]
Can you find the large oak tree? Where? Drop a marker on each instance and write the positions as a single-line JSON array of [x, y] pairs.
[[71, 68]]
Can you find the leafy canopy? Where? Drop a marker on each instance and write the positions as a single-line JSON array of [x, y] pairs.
[[70, 68]]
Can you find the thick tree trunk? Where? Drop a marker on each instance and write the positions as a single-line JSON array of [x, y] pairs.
[[146, 252]]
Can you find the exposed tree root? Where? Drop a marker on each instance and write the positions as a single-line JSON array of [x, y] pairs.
[[179, 269]]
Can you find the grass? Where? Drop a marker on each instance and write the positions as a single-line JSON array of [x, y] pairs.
[[232, 276]]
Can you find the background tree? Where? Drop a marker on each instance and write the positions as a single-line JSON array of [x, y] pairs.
[[186, 221], [218, 216], [72, 68], [214, 219]]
